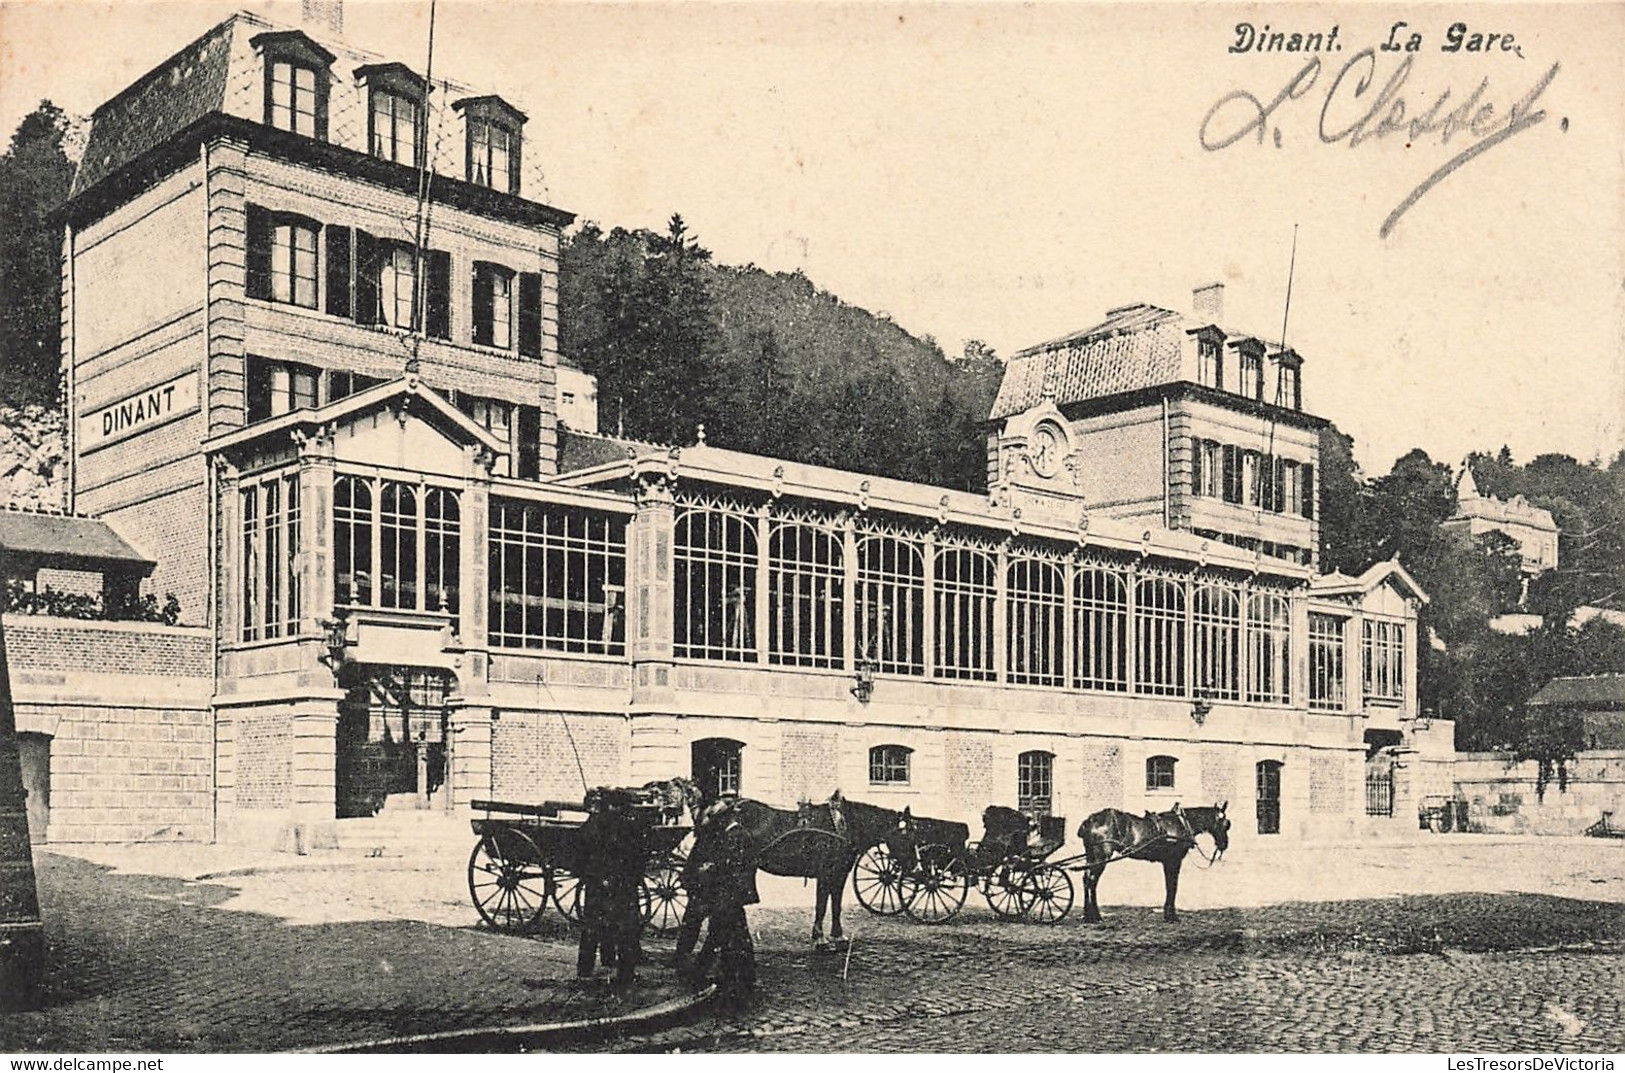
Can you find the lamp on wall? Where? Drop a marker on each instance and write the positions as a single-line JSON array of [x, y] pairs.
[[1200, 708], [863, 681], [336, 637]]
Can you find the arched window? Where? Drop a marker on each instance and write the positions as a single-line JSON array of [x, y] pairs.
[[1101, 602], [442, 548], [352, 540], [1268, 648], [891, 604], [964, 595], [714, 586], [1269, 796], [398, 546], [1035, 782], [717, 767], [888, 765], [806, 579], [1036, 598], [1159, 772], [1159, 636], [1216, 622]]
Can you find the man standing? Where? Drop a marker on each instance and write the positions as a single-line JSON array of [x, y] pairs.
[[613, 855], [721, 881]]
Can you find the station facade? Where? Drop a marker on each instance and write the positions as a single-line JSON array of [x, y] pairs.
[[310, 341]]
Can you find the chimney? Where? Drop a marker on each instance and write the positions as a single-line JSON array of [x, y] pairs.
[[323, 16], [1208, 302]]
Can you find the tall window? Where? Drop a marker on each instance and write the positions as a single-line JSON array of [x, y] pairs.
[[1216, 618], [1207, 468], [397, 124], [717, 766], [1251, 479], [806, 578], [1159, 772], [493, 305], [1209, 363], [1101, 605], [293, 262], [714, 586], [493, 156], [1384, 647], [888, 765], [280, 387], [1269, 632], [398, 546], [442, 550], [352, 540], [891, 603], [965, 592], [1159, 636], [1035, 782], [1035, 622], [557, 577], [1252, 373], [1291, 387], [397, 287], [1326, 662], [293, 98]]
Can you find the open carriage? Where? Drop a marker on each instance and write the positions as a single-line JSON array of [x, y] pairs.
[[527, 856], [930, 869]]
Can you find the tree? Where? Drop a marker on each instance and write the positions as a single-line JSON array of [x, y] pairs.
[[1342, 497], [35, 179]]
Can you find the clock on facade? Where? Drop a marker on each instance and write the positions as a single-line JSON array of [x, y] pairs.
[[1047, 447]]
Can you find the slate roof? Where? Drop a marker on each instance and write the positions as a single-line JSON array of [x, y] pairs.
[[584, 450], [174, 95], [1598, 692], [67, 542]]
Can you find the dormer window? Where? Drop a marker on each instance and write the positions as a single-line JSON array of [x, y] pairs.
[[296, 82], [1209, 363], [395, 126], [1252, 369], [1289, 380], [493, 142]]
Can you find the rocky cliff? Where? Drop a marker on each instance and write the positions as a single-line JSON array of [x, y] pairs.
[[33, 457]]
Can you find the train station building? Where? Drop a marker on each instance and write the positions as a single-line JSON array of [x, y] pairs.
[[310, 344]]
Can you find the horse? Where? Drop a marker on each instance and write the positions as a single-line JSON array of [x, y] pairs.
[[816, 841], [1165, 837]]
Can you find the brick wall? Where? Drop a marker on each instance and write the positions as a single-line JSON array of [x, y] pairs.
[[1328, 785], [809, 762], [264, 768], [50, 644], [1102, 764], [531, 757], [969, 767], [1218, 776]]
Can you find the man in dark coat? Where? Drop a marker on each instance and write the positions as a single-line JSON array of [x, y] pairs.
[[720, 878], [614, 852]]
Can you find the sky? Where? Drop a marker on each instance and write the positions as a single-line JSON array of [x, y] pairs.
[[1010, 172]]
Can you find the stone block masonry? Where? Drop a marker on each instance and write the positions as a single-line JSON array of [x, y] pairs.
[[123, 709]]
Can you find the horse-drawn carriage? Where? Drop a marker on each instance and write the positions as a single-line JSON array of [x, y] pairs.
[[527, 856], [928, 870]]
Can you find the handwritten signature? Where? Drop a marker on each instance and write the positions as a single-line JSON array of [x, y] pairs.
[[1345, 116]]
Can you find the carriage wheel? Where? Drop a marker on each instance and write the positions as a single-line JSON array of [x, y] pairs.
[[566, 888], [877, 880], [1006, 893], [936, 888], [664, 899], [1049, 894], [507, 882]]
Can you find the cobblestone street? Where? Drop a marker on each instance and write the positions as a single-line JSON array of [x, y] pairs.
[[1509, 945]]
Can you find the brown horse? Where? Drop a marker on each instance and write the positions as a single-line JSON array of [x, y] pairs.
[[817, 841], [1164, 837]]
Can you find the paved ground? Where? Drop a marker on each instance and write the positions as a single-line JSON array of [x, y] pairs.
[[1449, 944]]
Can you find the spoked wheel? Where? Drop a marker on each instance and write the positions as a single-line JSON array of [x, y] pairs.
[[1049, 894], [1006, 892], [877, 880], [665, 899], [566, 888], [935, 889], [507, 880]]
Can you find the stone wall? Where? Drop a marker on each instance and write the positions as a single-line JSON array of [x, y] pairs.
[[1503, 798]]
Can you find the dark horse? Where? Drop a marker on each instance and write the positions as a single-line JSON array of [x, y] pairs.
[[817, 841], [1166, 837]]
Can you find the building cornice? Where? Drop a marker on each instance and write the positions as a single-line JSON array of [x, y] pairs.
[[181, 149]]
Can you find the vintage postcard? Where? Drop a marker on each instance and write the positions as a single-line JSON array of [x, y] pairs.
[[791, 527]]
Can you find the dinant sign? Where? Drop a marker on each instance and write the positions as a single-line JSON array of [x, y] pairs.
[[145, 410]]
